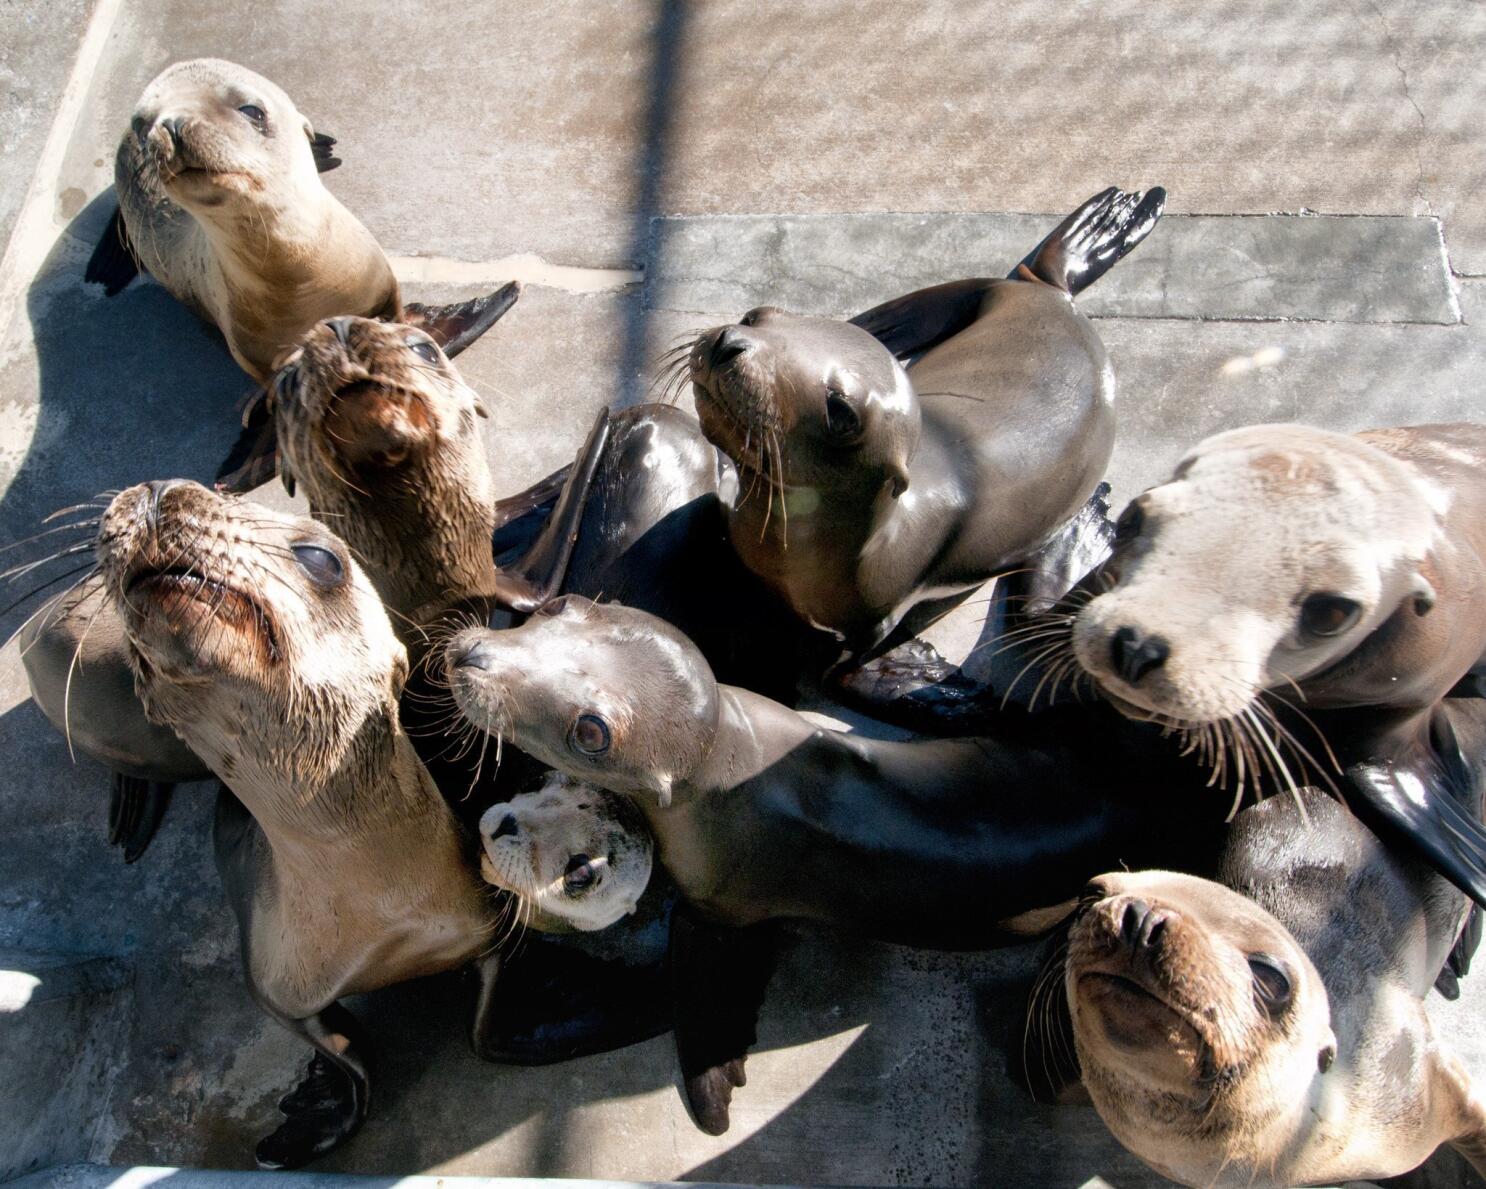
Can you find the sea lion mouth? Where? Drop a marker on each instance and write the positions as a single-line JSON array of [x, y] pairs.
[[188, 598]]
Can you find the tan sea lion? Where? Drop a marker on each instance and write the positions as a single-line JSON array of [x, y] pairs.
[[255, 637]]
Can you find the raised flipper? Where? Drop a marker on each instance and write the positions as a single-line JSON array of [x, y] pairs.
[[113, 263], [1087, 244], [718, 980], [539, 575], [1416, 807], [458, 325], [322, 147], [330, 1103], [909, 325], [1473, 684], [519, 518], [135, 810], [553, 1003], [254, 457]]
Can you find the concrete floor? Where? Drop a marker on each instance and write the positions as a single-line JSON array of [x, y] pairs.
[[872, 147]]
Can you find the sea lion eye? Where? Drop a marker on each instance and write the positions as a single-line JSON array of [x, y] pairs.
[[579, 874], [425, 350], [321, 564], [841, 419], [1128, 526], [253, 112], [1328, 614], [1271, 983], [591, 735]]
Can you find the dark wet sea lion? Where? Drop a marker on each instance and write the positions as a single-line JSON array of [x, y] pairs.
[[1268, 1028], [760, 816], [874, 497], [255, 636]]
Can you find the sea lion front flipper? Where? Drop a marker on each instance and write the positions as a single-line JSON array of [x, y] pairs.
[[135, 810], [1079, 547], [718, 980], [330, 1103], [909, 325], [254, 457], [1473, 684], [549, 1002], [519, 518], [539, 575], [458, 325], [1087, 244], [113, 263], [1458, 964], [1419, 811], [322, 147]]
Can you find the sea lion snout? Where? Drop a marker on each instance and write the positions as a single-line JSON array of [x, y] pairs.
[[1134, 654]]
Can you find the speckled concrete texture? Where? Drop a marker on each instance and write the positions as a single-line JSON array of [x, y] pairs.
[[825, 156]]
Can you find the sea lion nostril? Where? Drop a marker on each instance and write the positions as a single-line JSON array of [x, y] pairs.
[[1132, 655], [1131, 921], [173, 126], [728, 345], [474, 656], [507, 825], [158, 489], [341, 328]]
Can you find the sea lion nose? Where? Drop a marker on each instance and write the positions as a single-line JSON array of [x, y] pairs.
[[174, 126], [1142, 927], [506, 826], [1132, 655], [341, 328], [479, 655], [158, 490], [730, 343]]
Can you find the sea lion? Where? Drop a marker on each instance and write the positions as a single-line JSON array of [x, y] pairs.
[[1268, 1028], [220, 199], [255, 636], [1317, 643], [760, 816], [572, 853], [874, 497]]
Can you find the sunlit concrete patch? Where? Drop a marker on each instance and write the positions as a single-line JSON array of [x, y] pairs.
[[526, 267], [1245, 268]]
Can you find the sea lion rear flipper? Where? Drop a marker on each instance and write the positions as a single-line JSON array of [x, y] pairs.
[[539, 575], [910, 325], [458, 325], [254, 457], [113, 263], [718, 980], [1085, 245], [135, 810], [330, 1102], [322, 146], [1420, 812]]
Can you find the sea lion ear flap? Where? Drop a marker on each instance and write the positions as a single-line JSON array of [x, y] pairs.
[[1327, 1056], [662, 789], [897, 478], [454, 327], [322, 147], [1423, 595]]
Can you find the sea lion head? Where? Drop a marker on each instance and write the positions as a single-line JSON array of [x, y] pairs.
[[383, 433], [1201, 1026], [248, 624], [602, 692], [1272, 553], [220, 136], [807, 402], [573, 852]]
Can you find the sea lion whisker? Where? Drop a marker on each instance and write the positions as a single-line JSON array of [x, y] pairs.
[[83, 570], [91, 524], [24, 568], [1047, 651]]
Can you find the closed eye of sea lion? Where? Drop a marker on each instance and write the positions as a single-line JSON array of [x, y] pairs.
[[255, 637], [874, 496], [572, 852]]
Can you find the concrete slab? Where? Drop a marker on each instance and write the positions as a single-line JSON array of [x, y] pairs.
[[1273, 268]]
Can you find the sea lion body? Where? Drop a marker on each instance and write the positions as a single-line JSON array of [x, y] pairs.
[[254, 637], [229, 213], [873, 497], [1315, 1062]]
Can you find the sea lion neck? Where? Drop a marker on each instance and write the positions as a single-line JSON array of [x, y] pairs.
[[753, 732]]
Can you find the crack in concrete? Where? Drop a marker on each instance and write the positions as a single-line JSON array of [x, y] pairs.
[[1403, 77]]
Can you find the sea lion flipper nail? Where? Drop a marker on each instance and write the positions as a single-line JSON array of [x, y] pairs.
[[540, 573], [113, 263], [135, 810], [1424, 817], [322, 145], [457, 325], [719, 977], [1085, 245]]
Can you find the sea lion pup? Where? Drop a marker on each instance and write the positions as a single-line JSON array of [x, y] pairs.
[[760, 816], [575, 854], [1356, 591], [256, 638], [874, 497], [1272, 1031]]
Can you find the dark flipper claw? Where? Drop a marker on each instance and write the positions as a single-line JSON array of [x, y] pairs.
[[135, 810]]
